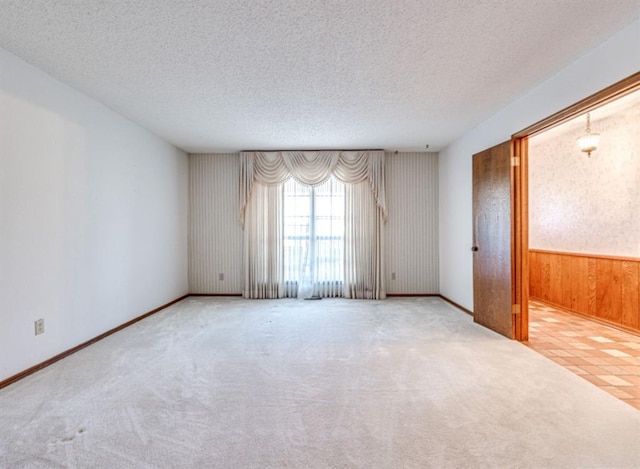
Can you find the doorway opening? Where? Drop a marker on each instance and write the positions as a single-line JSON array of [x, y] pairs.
[[579, 234], [520, 223]]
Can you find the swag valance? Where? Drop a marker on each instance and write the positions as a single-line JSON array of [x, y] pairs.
[[312, 168]]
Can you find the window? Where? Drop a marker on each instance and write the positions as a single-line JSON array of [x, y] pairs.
[[314, 238], [330, 237]]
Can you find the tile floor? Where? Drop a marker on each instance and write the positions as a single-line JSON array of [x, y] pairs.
[[605, 356]]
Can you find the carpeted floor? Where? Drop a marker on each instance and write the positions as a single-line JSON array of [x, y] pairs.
[[233, 383]]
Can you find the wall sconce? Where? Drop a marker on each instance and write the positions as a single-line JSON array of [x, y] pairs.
[[589, 142]]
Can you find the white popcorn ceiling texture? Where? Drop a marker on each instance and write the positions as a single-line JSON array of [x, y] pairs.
[[227, 75]]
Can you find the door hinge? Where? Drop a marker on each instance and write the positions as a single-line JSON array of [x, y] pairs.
[[515, 309], [515, 161]]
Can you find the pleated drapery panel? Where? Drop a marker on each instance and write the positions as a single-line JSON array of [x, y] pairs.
[[263, 174], [312, 168], [364, 245], [264, 244]]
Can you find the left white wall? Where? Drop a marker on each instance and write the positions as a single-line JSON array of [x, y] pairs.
[[93, 217]]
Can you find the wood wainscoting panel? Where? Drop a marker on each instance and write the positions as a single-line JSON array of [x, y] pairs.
[[631, 294], [555, 279], [534, 275], [566, 294], [603, 287], [580, 286]]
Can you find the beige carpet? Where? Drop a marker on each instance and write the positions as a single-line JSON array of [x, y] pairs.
[[232, 383]]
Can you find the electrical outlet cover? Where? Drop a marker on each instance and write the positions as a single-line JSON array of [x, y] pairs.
[[39, 326]]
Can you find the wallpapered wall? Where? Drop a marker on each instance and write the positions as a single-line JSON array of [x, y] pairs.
[[588, 205], [215, 234]]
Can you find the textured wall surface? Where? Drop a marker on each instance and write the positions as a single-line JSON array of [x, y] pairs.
[[93, 218], [588, 205], [215, 240]]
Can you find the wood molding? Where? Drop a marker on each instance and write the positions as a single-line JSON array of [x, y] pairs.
[[599, 287], [294, 149], [403, 295], [608, 94], [520, 238], [438, 295], [580, 254], [215, 294], [460, 307], [66, 353]]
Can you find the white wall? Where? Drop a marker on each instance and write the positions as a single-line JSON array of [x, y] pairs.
[[216, 235], [586, 204], [611, 61], [93, 217]]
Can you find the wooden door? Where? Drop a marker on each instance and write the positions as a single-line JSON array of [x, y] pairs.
[[493, 219]]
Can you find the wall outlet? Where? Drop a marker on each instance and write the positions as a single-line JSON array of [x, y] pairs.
[[221, 277], [39, 326], [393, 275]]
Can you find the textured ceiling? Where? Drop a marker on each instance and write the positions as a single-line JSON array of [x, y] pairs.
[[227, 75]]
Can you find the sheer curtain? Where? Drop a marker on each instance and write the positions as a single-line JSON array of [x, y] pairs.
[[263, 176], [328, 236], [297, 232], [314, 239]]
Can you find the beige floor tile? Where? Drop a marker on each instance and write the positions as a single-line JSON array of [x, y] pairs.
[[614, 380], [605, 356]]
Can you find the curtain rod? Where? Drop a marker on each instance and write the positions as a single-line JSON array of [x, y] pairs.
[[326, 149]]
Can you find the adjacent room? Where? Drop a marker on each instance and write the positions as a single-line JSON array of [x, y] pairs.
[[584, 247], [240, 234]]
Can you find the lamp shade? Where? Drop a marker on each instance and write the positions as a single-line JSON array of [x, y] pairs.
[[588, 143]]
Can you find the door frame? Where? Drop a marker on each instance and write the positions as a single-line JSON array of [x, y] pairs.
[[520, 192]]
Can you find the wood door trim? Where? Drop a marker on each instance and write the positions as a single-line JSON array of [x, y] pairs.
[[608, 94], [409, 295], [215, 294], [521, 238], [515, 288], [591, 256]]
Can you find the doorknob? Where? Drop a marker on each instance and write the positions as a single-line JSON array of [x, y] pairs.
[[474, 248]]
